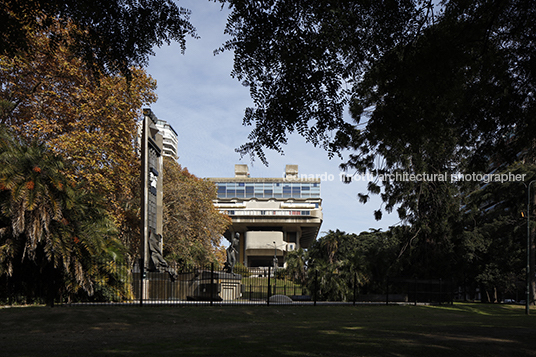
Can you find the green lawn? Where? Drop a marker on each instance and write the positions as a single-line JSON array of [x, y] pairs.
[[450, 330]]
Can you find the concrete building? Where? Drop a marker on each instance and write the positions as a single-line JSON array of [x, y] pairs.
[[272, 215], [150, 146], [170, 137]]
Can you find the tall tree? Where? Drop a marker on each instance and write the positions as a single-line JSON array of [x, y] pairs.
[[51, 97], [193, 227], [304, 61], [429, 93]]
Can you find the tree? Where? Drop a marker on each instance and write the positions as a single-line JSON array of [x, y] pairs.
[[430, 92], [296, 266], [337, 265], [300, 58], [304, 61], [51, 97], [193, 227], [113, 37], [54, 235], [494, 246]]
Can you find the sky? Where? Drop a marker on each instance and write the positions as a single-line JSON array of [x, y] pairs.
[[205, 106]]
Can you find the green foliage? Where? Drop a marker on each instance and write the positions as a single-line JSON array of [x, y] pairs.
[[296, 266], [116, 35], [298, 57], [339, 260], [493, 247], [54, 236], [430, 92], [241, 269]]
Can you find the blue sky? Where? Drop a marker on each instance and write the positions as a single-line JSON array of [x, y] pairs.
[[205, 106]]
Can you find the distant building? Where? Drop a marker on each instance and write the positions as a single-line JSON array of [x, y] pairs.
[[272, 215], [170, 136]]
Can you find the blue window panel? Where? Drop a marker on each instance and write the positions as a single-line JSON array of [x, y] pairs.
[[240, 193], [241, 184], [231, 193], [268, 193], [305, 187]]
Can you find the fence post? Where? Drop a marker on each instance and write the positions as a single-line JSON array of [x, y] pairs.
[[440, 293], [415, 292], [269, 288], [387, 292], [316, 287], [142, 272], [211, 284], [355, 286]]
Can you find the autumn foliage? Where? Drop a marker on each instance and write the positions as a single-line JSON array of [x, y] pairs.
[[193, 227], [49, 95]]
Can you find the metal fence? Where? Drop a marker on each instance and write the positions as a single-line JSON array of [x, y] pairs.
[[259, 286], [209, 286]]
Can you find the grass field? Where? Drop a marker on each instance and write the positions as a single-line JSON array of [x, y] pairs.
[[449, 330]]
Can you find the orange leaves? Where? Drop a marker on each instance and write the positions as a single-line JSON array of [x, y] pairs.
[[30, 185], [93, 124], [192, 225]]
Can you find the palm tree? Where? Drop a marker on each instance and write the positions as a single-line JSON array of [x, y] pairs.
[[31, 178], [50, 226], [296, 266]]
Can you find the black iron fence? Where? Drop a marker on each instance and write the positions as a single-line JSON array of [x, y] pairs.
[[207, 285], [261, 286]]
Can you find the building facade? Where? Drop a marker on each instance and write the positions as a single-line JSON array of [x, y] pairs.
[[170, 139], [272, 215]]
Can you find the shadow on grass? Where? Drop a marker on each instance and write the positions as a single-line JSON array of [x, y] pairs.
[[450, 330]]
